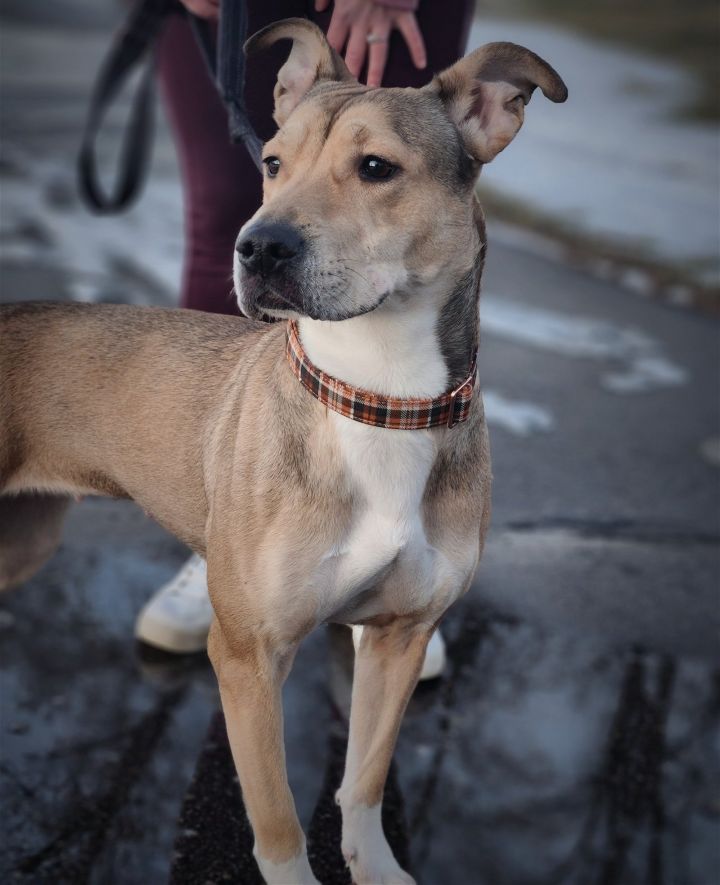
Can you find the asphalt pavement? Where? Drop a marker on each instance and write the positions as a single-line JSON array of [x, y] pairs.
[[575, 735]]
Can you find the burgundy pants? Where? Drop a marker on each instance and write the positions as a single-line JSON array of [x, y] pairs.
[[222, 187]]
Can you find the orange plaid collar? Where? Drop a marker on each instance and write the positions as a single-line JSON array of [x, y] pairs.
[[371, 408]]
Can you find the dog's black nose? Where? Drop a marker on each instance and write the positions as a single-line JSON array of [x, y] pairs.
[[268, 246]]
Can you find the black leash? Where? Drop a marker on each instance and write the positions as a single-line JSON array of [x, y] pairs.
[[131, 48], [227, 68]]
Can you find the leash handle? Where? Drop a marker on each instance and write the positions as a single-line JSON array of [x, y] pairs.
[[226, 64], [126, 52]]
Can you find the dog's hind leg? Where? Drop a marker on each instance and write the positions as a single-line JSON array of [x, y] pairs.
[[387, 665], [251, 670], [30, 531]]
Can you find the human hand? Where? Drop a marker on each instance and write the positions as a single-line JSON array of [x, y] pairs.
[[203, 8], [362, 24]]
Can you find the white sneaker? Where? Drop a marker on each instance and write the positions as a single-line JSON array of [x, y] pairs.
[[434, 653], [177, 618]]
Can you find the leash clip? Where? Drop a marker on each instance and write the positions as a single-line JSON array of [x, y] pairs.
[[453, 394]]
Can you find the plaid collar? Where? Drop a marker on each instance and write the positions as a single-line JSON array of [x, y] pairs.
[[372, 408]]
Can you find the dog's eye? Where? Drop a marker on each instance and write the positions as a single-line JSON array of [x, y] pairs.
[[272, 164], [376, 169]]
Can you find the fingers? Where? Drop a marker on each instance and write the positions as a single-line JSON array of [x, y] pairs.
[[377, 57], [203, 8], [407, 24], [356, 49], [337, 31], [354, 30]]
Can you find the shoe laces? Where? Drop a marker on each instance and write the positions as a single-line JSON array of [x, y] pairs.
[[191, 580]]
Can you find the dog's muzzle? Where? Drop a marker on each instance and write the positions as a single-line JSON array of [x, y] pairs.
[[269, 248], [270, 257]]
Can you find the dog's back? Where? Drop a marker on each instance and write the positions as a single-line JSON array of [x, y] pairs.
[[54, 359]]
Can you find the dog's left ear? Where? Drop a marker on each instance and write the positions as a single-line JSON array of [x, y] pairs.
[[311, 59], [486, 93]]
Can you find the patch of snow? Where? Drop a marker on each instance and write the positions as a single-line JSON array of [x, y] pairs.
[[710, 450], [645, 373], [520, 418], [64, 235], [612, 160], [83, 291], [644, 366]]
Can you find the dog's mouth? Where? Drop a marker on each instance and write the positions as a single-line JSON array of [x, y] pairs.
[[281, 299], [260, 297]]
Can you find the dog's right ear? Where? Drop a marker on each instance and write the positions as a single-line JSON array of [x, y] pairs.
[[311, 59]]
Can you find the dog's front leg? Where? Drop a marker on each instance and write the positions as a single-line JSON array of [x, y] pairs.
[[251, 671], [387, 666]]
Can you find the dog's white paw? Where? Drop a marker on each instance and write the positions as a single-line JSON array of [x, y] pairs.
[[295, 871], [366, 850], [373, 873]]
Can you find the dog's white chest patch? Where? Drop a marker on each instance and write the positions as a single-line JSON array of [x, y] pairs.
[[393, 350], [388, 471]]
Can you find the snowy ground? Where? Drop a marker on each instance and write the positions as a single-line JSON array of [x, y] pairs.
[[614, 160]]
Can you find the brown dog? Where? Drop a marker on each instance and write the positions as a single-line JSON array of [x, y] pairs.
[[308, 509]]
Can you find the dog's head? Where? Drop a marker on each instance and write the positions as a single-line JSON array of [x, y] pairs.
[[368, 193]]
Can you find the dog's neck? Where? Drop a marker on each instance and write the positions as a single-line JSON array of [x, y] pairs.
[[458, 323], [391, 350], [411, 346]]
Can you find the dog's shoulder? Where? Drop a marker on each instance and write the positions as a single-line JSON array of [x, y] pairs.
[[121, 325]]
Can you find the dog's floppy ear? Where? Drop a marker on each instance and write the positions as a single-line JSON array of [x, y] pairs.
[[486, 93], [311, 59]]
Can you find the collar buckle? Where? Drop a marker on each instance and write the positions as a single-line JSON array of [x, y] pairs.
[[453, 393]]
